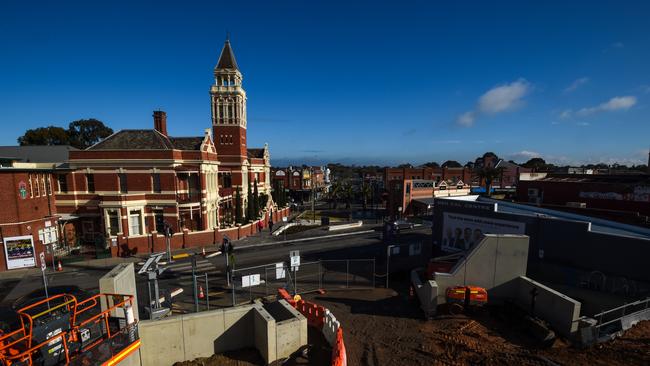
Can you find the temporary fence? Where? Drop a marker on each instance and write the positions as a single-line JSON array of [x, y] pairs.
[[322, 319], [260, 281], [610, 321]]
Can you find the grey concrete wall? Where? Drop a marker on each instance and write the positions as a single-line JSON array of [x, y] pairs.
[[291, 334], [559, 310], [121, 280], [493, 264], [427, 292], [189, 336]]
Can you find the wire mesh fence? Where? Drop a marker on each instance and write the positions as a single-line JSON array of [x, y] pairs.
[[260, 281]]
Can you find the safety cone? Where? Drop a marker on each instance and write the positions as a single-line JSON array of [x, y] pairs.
[[201, 294], [59, 268], [203, 251]]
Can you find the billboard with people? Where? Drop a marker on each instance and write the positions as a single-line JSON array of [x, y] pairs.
[[19, 252], [463, 232]]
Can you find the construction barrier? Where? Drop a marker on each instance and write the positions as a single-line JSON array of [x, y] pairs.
[[321, 318]]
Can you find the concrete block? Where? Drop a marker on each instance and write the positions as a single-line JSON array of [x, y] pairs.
[[238, 325], [120, 280], [162, 341], [265, 331], [200, 332]]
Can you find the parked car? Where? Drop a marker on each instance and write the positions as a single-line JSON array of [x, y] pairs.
[[402, 224]]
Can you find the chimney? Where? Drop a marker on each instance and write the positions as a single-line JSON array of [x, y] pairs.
[[160, 122]]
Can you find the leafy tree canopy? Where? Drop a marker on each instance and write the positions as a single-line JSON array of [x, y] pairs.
[[87, 132], [451, 164], [50, 135]]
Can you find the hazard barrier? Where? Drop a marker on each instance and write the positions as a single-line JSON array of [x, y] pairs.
[[321, 318]]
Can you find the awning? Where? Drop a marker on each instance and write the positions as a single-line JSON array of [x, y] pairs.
[[67, 217]]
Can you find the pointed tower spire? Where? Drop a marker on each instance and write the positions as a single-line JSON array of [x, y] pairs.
[[227, 57]]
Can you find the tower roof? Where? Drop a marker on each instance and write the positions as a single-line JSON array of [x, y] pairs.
[[227, 58]]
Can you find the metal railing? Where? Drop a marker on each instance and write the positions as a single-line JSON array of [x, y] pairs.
[[264, 280], [608, 320]]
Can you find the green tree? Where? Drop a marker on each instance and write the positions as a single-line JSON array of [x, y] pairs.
[[451, 164], [488, 175], [256, 200], [250, 207], [50, 135], [87, 132], [431, 164], [366, 191], [239, 211], [348, 193], [537, 164], [335, 194]]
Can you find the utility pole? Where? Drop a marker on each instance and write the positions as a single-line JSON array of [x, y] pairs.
[[313, 196]]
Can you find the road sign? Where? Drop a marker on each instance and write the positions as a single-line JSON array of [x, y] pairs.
[[43, 264], [284, 219], [294, 257], [279, 271], [250, 280]]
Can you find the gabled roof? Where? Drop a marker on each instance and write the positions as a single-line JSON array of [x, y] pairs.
[[227, 58], [146, 140], [256, 153], [36, 154]]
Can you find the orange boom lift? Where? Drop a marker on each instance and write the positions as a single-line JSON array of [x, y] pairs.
[[59, 330]]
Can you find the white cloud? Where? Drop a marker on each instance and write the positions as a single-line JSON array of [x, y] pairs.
[[504, 97], [576, 84], [523, 155], [566, 114], [614, 104], [499, 99], [583, 124], [466, 119]]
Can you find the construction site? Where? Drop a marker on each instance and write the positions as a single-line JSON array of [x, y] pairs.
[[394, 297]]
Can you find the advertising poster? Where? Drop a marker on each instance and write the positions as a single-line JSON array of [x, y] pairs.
[[463, 232], [19, 252]]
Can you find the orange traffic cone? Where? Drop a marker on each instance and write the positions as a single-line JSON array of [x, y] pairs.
[[201, 294], [59, 268], [203, 250]]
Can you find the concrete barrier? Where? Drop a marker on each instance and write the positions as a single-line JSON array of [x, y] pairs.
[[189, 336], [426, 291], [282, 228], [494, 264], [559, 310], [345, 226]]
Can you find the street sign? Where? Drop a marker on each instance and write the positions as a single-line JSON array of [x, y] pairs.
[[294, 257], [250, 280], [279, 271], [43, 264], [284, 219]]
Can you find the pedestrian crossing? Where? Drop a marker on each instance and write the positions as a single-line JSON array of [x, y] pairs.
[[202, 266]]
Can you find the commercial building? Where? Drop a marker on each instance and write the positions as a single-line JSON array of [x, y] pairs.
[[567, 247], [415, 197], [299, 182], [624, 198]]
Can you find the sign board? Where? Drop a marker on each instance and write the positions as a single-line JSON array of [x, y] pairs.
[[294, 257], [463, 232], [250, 280], [279, 271], [22, 189], [284, 219], [19, 252], [48, 223], [43, 264], [114, 242], [415, 249]]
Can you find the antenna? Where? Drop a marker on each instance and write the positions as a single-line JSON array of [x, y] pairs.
[[227, 36]]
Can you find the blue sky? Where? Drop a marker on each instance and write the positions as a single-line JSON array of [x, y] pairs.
[[355, 82]]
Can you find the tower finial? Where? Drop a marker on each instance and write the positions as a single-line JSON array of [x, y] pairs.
[[227, 36]]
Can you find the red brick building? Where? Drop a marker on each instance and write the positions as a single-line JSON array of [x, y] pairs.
[[437, 174], [624, 198], [28, 219], [130, 185], [299, 181]]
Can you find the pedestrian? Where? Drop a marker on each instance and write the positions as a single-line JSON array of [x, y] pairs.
[[270, 225], [260, 226]]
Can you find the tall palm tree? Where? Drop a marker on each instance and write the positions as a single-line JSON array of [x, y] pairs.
[[365, 193], [488, 175]]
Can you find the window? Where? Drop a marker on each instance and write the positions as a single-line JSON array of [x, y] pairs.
[[122, 179], [38, 189], [156, 182], [41, 180], [48, 185], [159, 219], [113, 220], [63, 183], [135, 222], [90, 183], [31, 187]]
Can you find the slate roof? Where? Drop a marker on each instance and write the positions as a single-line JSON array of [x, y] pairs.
[[146, 140], [227, 58], [36, 154], [256, 153]]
